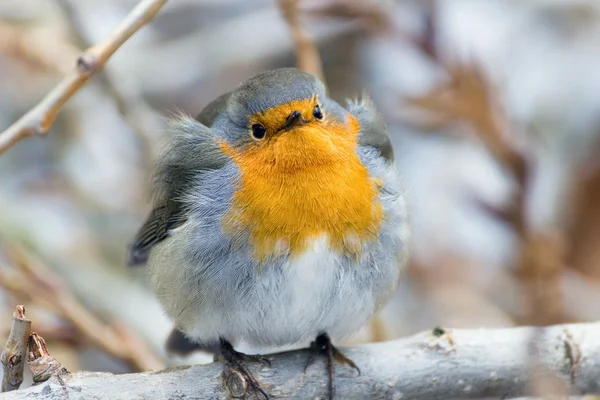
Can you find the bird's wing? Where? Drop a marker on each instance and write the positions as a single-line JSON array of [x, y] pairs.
[[192, 152], [373, 132], [210, 113]]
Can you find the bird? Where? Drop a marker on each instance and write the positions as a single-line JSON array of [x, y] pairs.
[[279, 217]]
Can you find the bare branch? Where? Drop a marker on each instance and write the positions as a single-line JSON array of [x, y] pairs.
[[448, 364], [15, 351], [307, 54], [39, 119]]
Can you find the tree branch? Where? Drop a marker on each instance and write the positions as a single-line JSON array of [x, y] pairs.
[[15, 351], [39, 119], [452, 364], [307, 53]]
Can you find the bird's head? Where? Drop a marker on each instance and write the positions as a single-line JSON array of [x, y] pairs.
[[283, 119]]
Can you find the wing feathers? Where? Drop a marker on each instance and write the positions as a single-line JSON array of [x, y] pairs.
[[374, 130], [192, 151]]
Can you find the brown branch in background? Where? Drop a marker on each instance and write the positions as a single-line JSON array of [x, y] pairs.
[[377, 16], [36, 46], [15, 351], [427, 41], [307, 54], [39, 284], [374, 14], [378, 331], [467, 96], [39, 119], [42, 365], [64, 333], [584, 230]]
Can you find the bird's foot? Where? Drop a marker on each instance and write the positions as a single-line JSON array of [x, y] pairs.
[[322, 345], [234, 362]]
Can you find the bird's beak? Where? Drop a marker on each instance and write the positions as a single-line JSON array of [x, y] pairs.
[[295, 118]]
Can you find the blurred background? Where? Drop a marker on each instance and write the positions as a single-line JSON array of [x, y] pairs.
[[493, 108]]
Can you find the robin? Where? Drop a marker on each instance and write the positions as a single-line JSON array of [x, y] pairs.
[[278, 218]]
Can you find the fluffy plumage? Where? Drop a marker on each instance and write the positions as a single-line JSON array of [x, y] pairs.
[[275, 241]]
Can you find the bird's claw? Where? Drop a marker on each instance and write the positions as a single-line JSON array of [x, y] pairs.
[[234, 361], [342, 359], [322, 345], [256, 358]]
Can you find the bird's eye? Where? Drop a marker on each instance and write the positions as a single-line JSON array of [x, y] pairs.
[[317, 112], [258, 131]]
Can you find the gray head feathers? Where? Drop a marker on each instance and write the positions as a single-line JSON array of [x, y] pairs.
[[270, 89]]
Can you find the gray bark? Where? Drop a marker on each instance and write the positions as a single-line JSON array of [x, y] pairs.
[[14, 354], [452, 364]]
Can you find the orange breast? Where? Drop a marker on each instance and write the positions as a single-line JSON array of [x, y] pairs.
[[301, 184]]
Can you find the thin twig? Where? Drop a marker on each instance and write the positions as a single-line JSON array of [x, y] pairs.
[[15, 351], [307, 54], [39, 119]]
